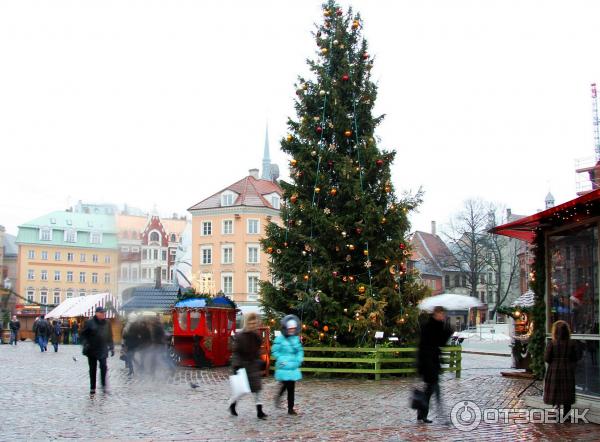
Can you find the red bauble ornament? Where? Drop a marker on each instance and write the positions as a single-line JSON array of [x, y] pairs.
[[315, 323], [358, 230], [325, 328], [402, 245], [365, 56], [269, 250], [338, 12], [294, 198], [345, 77], [319, 129], [330, 164], [379, 163], [334, 273]]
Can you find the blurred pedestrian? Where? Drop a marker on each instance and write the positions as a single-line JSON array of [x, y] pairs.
[[75, 332], [288, 353], [246, 354], [434, 334], [561, 357], [42, 329], [14, 326], [55, 333], [97, 341]]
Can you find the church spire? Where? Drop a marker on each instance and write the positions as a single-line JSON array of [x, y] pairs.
[[266, 162]]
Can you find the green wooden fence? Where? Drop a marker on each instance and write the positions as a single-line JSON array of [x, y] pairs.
[[372, 360]]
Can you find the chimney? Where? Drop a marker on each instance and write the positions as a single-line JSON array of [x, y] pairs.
[[508, 214], [253, 173], [157, 278], [433, 230]]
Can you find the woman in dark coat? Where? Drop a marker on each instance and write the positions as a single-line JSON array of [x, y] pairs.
[[246, 354], [561, 357]]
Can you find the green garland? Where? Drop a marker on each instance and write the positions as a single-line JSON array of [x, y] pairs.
[[537, 342]]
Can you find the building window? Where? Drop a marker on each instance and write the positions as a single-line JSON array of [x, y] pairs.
[[135, 249], [206, 253], [30, 295], [81, 276], [163, 274], [107, 278], [56, 298], [227, 199], [144, 274], [107, 259], [252, 285], [482, 279], [31, 254], [275, 202], [56, 256], [30, 274], [96, 238], [95, 259], [253, 227], [70, 256], [69, 276], [124, 273], [206, 228], [155, 254], [82, 257], [69, 294], [57, 275], [456, 281], [447, 280], [44, 275], [173, 237], [134, 275], [81, 293], [173, 252], [464, 280], [94, 278], [227, 283], [45, 234], [43, 297], [145, 254], [252, 254], [155, 237], [227, 255], [125, 249], [227, 227], [164, 255], [70, 235], [44, 256]]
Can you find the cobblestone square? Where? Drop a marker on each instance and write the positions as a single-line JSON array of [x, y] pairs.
[[44, 396]]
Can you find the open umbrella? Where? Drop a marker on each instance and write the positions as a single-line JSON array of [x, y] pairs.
[[449, 301]]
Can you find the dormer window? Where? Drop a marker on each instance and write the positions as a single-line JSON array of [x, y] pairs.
[[274, 199], [154, 237], [227, 198], [45, 234], [70, 235]]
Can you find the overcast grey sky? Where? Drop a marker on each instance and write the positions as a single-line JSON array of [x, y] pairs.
[[165, 102]]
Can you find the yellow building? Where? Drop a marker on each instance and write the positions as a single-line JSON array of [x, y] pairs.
[[65, 254], [226, 231]]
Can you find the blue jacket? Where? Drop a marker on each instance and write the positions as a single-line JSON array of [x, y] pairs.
[[288, 355]]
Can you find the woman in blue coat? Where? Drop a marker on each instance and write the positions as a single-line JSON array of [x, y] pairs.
[[288, 353]]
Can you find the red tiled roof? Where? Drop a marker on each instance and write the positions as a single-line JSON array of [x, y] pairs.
[[431, 248], [250, 192]]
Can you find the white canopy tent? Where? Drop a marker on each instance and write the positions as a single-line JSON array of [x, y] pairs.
[[84, 306]]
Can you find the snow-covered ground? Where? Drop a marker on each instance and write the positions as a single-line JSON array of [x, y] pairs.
[[492, 338]]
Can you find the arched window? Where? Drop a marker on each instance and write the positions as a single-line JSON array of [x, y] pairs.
[[154, 236], [173, 237]]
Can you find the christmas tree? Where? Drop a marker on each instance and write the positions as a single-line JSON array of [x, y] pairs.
[[339, 261]]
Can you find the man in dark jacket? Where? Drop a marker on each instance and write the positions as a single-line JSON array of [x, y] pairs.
[[434, 334], [41, 328], [14, 326], [97, 340]]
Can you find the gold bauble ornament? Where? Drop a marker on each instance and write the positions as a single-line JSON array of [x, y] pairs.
[[317, 189], [362, 289], [293, 162], [355, 24], [348, 133], [289, 138], [324, 51]]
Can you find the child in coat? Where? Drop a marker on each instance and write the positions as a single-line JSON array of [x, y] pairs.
[[288, 353]]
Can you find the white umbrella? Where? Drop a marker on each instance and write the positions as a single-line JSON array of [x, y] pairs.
[[449, 301]]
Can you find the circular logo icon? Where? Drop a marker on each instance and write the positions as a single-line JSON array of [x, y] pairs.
[[465, 415]]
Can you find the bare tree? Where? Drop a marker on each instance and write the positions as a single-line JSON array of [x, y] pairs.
[[467, 240]]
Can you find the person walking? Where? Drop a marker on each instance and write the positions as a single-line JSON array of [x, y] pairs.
[[434, 334], [55, 333], [41, 328], [246, 354], [14, 326], [288, 354], [75, 333], [97, 341], [561, 357]]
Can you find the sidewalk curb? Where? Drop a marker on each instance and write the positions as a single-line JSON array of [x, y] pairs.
[[485, 353]]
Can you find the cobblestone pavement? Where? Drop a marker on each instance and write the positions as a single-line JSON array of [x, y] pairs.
[[44, 396]]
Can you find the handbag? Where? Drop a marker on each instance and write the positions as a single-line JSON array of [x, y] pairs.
[[239, 384], [418, 400]]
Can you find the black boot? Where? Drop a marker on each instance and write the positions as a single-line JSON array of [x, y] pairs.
[[232, 409], [259, 412]]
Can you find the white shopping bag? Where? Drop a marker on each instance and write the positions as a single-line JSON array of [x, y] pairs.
[[239, 384]]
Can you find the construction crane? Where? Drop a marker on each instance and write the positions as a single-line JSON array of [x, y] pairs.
[[595, 122]]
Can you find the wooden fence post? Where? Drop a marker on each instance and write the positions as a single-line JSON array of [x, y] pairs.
[[377, 364], [458, 361]]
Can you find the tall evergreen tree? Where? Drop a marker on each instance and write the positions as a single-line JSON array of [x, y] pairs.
[[339, 261]]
